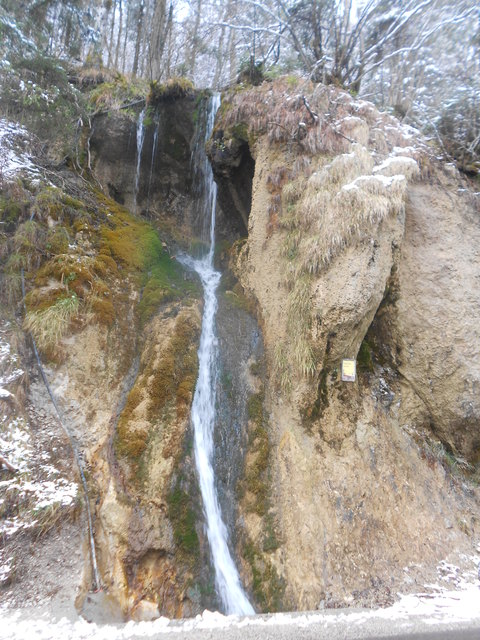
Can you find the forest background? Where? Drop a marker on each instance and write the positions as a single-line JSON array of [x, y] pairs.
[[418, 59]]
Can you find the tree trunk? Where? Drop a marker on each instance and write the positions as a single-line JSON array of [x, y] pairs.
[[194, 41], [219, 60], [161, 24], [119, 37], [138, 39], [112, 31]]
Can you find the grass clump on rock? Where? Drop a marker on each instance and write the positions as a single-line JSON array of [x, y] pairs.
[[173, 89], [49, 325], [117, 93]]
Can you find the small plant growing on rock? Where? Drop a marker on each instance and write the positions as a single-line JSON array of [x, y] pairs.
[[173, 89], [48, 326]]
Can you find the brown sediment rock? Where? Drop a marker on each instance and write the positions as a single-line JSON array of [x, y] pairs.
[[359, 486]]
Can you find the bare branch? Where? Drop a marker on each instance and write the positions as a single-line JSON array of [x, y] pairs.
[[313, 115], [416, 46], [247, 27], [398, 24]]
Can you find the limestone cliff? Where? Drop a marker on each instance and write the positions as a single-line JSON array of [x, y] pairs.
[[340, 236], [360, 245]]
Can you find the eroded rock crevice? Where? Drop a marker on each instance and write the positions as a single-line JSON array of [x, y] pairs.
[[234, 168]]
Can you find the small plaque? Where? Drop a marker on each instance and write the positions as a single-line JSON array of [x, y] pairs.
[[349, 370]]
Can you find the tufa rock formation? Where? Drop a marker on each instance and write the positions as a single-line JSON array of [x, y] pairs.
[[360, 245], [340, 236]]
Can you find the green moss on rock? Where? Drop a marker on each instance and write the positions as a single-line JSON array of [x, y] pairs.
[[134, 245], [364, 357], [267, 586], [183, 519], [173, 377]]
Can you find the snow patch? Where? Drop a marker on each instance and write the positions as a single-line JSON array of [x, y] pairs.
[[37, 485], [440, 606], [13, 158], [397, 165], [375, 181]]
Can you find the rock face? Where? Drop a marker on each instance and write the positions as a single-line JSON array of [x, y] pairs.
[[346, 240], [163, 186], [356, 250], [437, 335], [149, 168], [141, 518]]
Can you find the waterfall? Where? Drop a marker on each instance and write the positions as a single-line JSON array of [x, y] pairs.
[[227, 579], [140, 138], [202, 176], [152, 160]]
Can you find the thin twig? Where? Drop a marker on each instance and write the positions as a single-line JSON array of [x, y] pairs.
[[313, 115]]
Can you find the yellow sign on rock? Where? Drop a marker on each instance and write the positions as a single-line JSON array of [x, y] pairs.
[[349, 370]]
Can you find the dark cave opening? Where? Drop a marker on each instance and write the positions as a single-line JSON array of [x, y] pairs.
[[233, 168]]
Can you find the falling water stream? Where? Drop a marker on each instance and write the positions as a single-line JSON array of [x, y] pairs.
[[156, 120], [140, 139], [227, 579]]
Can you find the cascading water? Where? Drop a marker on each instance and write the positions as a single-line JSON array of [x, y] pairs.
[[227, 579], [140, 139], [156, 120], [202, 176]]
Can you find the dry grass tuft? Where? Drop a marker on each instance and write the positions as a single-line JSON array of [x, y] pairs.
[[278, 110], [340, 204], [350, 215], [299, 326], [49, 325], [398, 165], [277, 179], [282, 367]]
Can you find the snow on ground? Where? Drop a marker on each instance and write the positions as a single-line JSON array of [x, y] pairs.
[[438, 605], [9, 369], [37, 486], [30, 498], [13, 156]]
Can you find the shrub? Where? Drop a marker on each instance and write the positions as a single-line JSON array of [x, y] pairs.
[[331, 122], [458, 128], [35, 91]]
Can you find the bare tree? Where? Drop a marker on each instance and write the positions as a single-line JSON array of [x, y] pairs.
[[161, 24], [138, 36]]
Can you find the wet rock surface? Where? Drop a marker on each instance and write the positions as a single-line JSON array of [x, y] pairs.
[[240, 347]]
